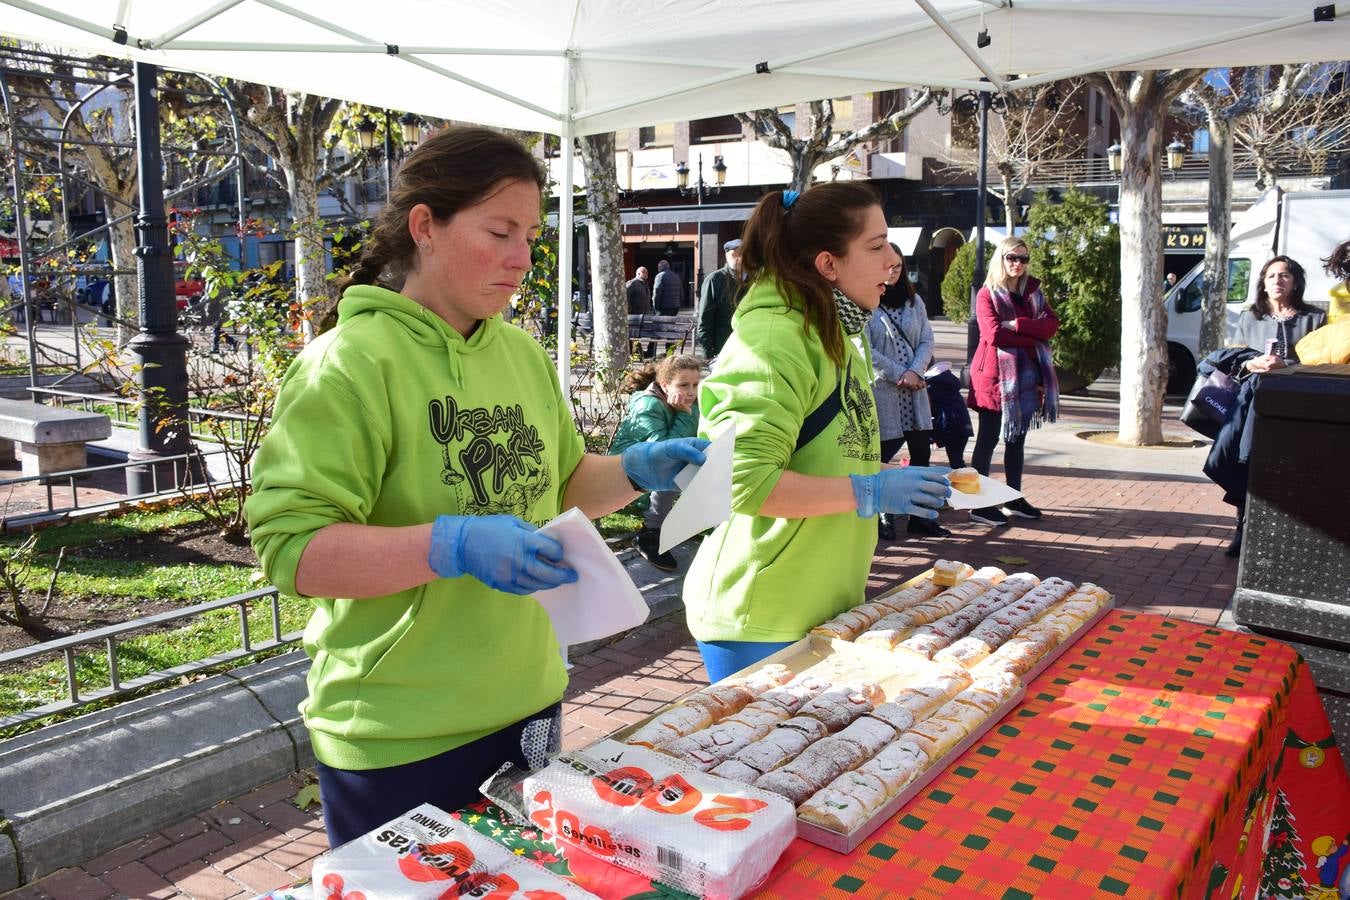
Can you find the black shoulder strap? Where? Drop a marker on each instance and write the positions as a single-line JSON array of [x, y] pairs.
[[822, 415]]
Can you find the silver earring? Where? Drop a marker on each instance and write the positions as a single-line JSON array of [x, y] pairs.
[[424, 246]]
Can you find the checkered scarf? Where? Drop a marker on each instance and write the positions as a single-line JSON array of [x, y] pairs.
[[851, 316]]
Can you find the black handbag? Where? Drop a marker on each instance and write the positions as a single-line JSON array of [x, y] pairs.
[[1210, 403]]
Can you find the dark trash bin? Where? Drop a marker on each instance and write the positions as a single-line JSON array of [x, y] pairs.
[[1294, 577]]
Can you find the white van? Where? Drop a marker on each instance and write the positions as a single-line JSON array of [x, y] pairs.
[[1305, 226]]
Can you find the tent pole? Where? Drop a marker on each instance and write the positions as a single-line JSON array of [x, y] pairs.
[[565, 148], [982, 191]]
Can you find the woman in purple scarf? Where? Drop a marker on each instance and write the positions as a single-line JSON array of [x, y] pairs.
[[1012, 377]]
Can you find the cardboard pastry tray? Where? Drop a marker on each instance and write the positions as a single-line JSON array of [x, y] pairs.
[[892, 670], [846, 843]]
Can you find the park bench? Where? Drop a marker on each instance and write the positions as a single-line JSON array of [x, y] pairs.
[[48, 439], [649, 335], [660, 335]]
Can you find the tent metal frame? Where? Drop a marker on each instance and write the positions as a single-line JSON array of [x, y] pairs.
[[1273, 17]]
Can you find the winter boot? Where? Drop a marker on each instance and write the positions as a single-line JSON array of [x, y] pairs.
[[648, 547]]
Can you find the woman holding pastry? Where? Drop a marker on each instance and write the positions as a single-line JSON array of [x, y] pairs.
[[807, 479], [901, 341], [414, 450], [1013, 387]]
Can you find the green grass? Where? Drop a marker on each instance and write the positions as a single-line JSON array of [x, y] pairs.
[[136, 523], [205, 636], [625, 521], [118, 587]]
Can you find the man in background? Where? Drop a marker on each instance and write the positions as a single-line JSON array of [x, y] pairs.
[[639, 294], [717, 301], [667, 292]]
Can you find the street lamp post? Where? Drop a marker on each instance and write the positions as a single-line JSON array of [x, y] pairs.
[[968, 104], [410, 128], [160, 348], [1176, 156], [1115, 158], [700, 189]]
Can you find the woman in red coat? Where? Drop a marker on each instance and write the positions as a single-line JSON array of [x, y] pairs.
[[1012, 377]]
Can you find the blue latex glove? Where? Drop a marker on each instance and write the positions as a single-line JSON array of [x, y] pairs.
[[653, 465], [909, 491], [501, 551]]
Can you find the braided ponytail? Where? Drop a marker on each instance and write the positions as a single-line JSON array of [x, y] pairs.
[[452, 170]]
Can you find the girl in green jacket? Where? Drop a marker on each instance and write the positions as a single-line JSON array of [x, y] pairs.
[[664, 405]]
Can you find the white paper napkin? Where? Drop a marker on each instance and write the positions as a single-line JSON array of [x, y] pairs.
[[992, 493], [603, 600], [705, 493]]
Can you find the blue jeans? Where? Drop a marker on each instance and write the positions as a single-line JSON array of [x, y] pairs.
[[357, 801], [723, 658]]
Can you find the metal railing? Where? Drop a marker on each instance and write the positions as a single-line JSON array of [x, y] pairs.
[[125, 411], [112, 635], [1078, 170], [184, 467]]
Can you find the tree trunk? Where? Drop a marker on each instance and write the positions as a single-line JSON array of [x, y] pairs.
[[1009, 208], [609, 303], [1213, 318], [311, 267], [1266, 176], [1143, 321], [803, 164], [122, 238]]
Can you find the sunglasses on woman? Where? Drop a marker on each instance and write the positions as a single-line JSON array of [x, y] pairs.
[[1016, 258]]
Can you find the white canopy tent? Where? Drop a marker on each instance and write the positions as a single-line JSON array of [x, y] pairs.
[[575, 67]]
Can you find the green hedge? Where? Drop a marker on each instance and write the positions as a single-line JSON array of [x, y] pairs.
[[1075, 252], [956, 283]]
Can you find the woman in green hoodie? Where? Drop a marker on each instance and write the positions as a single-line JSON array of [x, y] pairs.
[[413, 452], [795, 381]]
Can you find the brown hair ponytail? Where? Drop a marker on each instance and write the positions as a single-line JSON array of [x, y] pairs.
[[787, 231], [452, 170]]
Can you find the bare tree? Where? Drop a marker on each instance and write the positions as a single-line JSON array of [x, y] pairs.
[[1035, 125], [1302, 117], [295, 131], [821, 142], [609, 305], [1216, 102], [1277, 114], [1142, 99], [101, 151]]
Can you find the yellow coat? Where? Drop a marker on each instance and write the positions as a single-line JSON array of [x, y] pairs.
[[1340, 303], [1328, 344]]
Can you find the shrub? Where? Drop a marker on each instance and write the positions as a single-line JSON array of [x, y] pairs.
[[1075, 252], [956, 283]]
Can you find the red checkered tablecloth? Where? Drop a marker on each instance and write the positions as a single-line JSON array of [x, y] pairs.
[[1154, 759]]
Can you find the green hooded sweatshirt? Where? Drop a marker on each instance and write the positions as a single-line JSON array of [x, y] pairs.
[[391, 419], [757, 578]]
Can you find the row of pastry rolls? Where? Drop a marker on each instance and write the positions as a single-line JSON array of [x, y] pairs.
[[1050, 628], [851, 797], [890, 630]]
